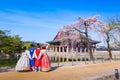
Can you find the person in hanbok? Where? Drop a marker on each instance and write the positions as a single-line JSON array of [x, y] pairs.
[[23, 62], [37, 58], [31, 57], [45, 61]]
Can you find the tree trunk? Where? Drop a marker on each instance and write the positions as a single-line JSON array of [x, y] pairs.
[[108, 47], [110, 54], [90, 52], [89, 46]]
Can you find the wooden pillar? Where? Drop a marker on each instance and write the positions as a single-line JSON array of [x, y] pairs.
[[67, 49], [77, 49], [63, 50], [55, 49], [80, 50], [50, 49], [59, 48], [85, 50]]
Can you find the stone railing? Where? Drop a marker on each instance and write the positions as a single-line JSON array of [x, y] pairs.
[[99, 56]]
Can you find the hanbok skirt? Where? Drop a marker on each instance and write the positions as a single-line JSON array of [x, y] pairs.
[[45, 63], [37, 62], [23, 64]]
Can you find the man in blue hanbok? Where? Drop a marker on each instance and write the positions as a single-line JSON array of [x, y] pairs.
[[31, 57]]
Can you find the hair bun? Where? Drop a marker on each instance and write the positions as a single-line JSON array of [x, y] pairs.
[[43, 47]]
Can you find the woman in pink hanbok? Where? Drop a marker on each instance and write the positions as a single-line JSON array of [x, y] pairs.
[[45, 62]]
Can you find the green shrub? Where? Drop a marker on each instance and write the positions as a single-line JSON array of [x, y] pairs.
[[57, 60], [69, 59], [83, 59], [8, 62], [74, 59], [65, 59], [79, 59], [87, 59], [52, 59], [61, 59]]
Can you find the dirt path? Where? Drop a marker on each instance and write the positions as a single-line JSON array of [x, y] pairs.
[[65, 73]]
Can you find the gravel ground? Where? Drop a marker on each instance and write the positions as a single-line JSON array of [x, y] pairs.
[[6, 69], [98, 71]]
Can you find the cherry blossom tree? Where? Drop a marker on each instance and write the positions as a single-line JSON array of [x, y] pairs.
[[113, 30], [84, 25]]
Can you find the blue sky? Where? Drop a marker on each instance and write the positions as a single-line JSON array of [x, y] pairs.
[[40, 20]]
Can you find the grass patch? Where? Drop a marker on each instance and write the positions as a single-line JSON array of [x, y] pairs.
[[7, 62]]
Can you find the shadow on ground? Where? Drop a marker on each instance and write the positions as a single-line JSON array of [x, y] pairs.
[[54, 68], [8, 69]]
